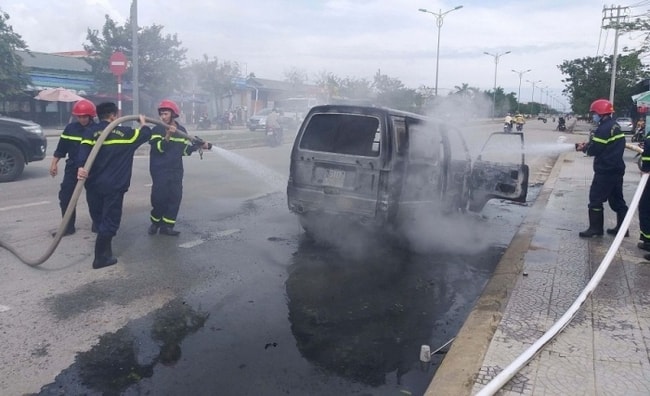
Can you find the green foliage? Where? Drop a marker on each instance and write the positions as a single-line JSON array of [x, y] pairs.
[[13, 74], [159, 58], [589, 79], [213, 77]]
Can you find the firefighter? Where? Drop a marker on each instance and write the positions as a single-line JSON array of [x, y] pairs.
[[606, 146], [644, 203], [166, 168], [109, 177], [85, 112]]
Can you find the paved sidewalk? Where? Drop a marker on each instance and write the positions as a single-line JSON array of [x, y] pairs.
[[605, 349]]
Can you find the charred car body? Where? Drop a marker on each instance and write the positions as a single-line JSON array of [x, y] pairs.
[[383, 168]]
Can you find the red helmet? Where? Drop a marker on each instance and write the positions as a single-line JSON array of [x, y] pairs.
[[84, 107], [602, 107], [169, 105]]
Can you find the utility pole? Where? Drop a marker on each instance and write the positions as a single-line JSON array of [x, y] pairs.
[[136, 75], [613, 16]]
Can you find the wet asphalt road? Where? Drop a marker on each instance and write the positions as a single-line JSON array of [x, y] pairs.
[[242, 302]]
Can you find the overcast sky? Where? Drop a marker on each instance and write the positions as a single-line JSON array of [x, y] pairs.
[[355, 38]]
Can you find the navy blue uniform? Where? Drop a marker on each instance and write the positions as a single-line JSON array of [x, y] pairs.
[[68, 146], [110, 176], [166, 168], [644, 203], [607, 147]]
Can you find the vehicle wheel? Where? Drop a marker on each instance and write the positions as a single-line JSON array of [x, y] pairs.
[[12, 162]]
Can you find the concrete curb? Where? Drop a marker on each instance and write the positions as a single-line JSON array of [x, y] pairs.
[[457, 373]]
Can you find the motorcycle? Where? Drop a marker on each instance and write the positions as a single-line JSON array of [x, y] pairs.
[[204, 123], [561, 125], [274, 136], [520, 127], [507, 127]]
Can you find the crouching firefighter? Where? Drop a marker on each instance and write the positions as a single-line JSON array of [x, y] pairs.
[[166, 168], [606, 146], [110, 176]]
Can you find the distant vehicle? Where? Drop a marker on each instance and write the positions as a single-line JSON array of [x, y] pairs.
[[21, 142], [626, 124], [294, 110], [541, 118], [384, 168], [258, 121]]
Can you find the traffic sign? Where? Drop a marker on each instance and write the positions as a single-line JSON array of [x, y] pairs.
[[118, 63]]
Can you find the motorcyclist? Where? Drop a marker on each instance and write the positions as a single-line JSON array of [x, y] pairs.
[[273, 126], [520, 121], [561, 124], [507, 122]]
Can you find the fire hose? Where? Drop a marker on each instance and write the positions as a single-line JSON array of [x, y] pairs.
[[504, 376], [79, 187]]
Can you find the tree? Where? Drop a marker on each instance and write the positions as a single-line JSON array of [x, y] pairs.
[[160, 58], [13, 74], [215, 78], [295, 76], [589, 78], [391, 92]]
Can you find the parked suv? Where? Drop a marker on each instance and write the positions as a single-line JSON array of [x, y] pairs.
[[21, 142], [387, 169]]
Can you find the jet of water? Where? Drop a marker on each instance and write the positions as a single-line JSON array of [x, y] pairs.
[[273, 179]]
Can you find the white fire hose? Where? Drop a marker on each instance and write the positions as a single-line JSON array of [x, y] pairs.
[[77, 191], [503, 377]]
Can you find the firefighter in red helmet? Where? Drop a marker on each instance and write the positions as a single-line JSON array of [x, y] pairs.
[[606, 145], [166, 168], [68, 145]]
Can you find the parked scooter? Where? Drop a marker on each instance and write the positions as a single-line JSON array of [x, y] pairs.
[[274, 136]]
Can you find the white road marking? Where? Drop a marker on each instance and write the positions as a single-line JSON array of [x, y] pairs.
[[24, 205], [191, 244], [4, 308], [197, 242]]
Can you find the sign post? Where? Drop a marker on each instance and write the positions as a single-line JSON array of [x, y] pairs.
[[118, 67]]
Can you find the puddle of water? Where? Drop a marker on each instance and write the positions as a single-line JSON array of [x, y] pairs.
[[272, 178]]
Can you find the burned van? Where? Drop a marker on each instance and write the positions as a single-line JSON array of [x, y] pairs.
[[382, 168]]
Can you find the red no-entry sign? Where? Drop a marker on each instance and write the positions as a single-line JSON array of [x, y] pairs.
[[118, 63]]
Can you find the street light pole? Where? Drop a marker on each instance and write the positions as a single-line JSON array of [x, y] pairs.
[[496, 64], [532, 96], [521, 73], [439, 20]]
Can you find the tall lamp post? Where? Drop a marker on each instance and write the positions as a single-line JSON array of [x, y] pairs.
[[532, 96], [496, 64], [521, 73], [439, 20]]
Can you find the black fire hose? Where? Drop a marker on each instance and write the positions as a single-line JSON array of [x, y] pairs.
[[77, 191]]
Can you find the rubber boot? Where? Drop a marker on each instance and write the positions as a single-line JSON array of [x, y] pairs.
[[595, 224], [619, 220], [153, 229], [103, 252], [168, 230], [71, 229]]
